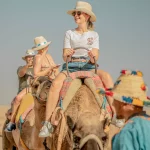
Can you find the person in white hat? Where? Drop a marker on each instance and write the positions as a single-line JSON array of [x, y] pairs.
[[44, 64], [130, 97], [80, 45], [23, 73]]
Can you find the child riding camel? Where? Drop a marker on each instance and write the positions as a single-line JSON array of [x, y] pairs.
[[23, 74]]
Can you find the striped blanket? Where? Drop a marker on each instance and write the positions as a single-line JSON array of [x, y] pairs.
[[81, 75]]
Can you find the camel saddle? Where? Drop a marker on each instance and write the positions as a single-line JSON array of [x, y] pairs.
[[74, 81]]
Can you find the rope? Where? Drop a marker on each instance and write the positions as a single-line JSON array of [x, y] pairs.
[[23, 144], [45, 145], [61, 118]]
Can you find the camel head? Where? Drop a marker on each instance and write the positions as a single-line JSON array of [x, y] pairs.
[[89, 131], [83, 119], [40, 89]]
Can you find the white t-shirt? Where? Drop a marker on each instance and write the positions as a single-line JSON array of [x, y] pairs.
[[81, 42]]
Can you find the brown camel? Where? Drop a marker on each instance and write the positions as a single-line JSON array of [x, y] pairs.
[[30, 129], [84, 129]]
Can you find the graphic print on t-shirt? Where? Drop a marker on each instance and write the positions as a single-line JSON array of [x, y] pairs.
[[90, 41]]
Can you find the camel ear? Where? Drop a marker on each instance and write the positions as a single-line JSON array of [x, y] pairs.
[[70, 123], [36, 84], [102, 123], [77, 135], [106, 122], [39, 80], [103, 135], [42, 79]]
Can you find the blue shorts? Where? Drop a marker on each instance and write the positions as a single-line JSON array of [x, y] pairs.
[[78, 66]]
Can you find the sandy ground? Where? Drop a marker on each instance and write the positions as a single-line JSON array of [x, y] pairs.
[[3, 110]]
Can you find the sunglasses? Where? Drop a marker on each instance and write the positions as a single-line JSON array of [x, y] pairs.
[[76, 12]]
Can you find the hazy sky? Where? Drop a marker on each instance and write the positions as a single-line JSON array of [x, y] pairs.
[[123, 27]]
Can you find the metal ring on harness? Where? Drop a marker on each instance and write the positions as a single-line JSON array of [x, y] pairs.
[[95, 63]]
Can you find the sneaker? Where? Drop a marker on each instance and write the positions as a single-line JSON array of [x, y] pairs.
[[10, 126], [46, 130]]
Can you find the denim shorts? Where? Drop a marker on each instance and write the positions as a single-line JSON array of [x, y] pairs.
[[78, 66]]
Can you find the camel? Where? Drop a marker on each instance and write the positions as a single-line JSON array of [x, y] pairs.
[[84, 129], [82, 117], [29, 131]]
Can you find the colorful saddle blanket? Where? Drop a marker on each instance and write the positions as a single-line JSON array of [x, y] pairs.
[[70, 83], [80, 74]]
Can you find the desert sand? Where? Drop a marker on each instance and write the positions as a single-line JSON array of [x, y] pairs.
[[3, 110]]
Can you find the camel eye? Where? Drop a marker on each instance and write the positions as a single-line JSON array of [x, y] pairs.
[[104, 138], [47, 87], [36, 86]]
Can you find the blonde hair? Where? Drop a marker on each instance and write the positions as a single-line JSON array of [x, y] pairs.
[[90, 25]]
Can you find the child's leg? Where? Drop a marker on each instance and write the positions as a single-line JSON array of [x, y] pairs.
[[9, 112], [16, 104]]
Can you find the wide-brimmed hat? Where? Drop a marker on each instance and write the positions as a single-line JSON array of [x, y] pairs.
[[29, 52], [130, 88], [40, 43], [84, 7]]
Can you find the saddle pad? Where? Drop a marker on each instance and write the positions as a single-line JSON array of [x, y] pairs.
[[74, 86], [26, 105], [78, 75]]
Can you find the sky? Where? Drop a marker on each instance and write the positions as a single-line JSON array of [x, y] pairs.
[[123, 27]]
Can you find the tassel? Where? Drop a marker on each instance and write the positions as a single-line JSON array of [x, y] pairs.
[[61, 103], [134, 72], [109, 89], [101, 91], [108, 93], [127, 99], [144, 87], [21, 122], [123, 71], [139, 73]]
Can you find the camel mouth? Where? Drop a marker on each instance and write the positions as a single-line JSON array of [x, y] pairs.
[[41, 101], [40, 89]]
